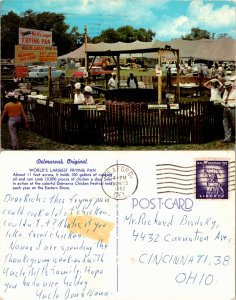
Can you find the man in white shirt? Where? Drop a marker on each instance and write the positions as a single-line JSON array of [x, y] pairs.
[[216, 87], [229, 103], [233, 80], [112, 83], [79, 97]]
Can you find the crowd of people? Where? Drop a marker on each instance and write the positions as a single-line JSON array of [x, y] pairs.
[[204, 70]]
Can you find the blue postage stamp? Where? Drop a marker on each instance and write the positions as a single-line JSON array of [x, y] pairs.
[[211, 179]]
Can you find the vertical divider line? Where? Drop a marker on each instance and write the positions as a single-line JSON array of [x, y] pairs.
[[117, 232]]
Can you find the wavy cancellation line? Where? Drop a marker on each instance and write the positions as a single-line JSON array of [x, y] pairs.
[[183, 180], [178, 188], [172, 182], [170, 173], [175, 169], [177, 166], [176, 178], [175, 192], [170, 170]]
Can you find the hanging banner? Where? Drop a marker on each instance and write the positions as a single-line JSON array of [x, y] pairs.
[[35, 37], [29, 54]]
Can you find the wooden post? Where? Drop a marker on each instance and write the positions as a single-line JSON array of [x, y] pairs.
[[86, 54], [49, 81], [118, 69], [159, 78], [178, 87]]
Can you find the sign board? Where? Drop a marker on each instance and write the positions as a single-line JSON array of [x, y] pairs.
[[35, 37], [97, 107], [21, 72], [101, 107], [174, 105], [157, 106], [30, 54], [164, 106]]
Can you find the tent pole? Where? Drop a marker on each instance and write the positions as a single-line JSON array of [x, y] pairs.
[[86, 54], [159, 87], [159, 78], [118, 69], [178, 79]]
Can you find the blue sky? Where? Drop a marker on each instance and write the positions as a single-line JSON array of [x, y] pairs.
[[168, 19]]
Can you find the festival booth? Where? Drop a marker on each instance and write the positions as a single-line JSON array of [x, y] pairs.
[[116, 50], [131, 116]]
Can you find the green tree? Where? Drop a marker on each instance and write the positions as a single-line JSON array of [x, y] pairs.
[[109, 35], [197, 34], [144, 35], [28, 19], [125, 34], [223, 36], [64, 40], [10, 24]]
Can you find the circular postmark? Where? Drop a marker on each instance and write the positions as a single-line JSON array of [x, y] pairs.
[[119, 181]]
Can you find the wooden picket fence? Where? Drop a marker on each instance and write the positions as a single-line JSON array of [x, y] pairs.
[[131, 123]]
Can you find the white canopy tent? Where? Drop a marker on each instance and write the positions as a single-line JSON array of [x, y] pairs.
[[207, 49]]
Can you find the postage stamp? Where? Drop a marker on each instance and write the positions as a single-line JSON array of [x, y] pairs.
[[119, 181], [212, 179]]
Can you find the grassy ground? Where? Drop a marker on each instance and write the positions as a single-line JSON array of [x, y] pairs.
[[33, 141], [136, 72]]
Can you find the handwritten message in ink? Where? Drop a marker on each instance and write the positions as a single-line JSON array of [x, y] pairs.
[[52, 252]]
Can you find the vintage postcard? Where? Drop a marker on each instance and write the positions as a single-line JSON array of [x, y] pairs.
[[117, 159], [118, 225]]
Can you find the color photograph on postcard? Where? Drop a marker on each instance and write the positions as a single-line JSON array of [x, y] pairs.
[[117, 160]]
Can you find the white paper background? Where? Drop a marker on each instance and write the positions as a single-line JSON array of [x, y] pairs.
[[122, 274]]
